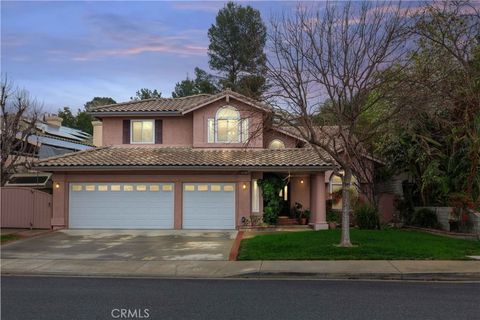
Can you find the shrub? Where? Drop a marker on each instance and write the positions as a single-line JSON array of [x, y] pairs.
[[252, 221], [270, 215], [425, 218], [332, 216], [306, 214], [366, 217], [271, 186]]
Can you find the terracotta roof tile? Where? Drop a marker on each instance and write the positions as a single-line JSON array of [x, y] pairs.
[[173, 104], [185, 157], [151, 105]]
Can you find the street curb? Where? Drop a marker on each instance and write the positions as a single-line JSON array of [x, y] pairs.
[[474, 277], [437, 277]]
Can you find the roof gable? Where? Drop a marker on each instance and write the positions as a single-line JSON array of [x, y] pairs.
[[179, 106], [227, 95]]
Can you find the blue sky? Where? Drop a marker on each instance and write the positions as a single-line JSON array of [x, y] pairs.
[[65, 53]]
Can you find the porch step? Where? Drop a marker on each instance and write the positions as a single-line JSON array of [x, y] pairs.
[[286, 221]]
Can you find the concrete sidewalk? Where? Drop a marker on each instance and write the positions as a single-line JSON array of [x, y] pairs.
[[351, 269]]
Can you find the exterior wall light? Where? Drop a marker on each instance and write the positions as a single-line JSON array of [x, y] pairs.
[[244, 186], [301, 181], [57, 185]]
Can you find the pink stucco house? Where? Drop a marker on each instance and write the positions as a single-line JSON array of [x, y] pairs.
[[187, 163]]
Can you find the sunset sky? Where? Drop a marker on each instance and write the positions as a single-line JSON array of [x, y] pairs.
[[65, 53]]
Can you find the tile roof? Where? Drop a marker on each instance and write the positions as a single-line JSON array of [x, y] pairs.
[[149, 105], [143, 156], [183, 104]]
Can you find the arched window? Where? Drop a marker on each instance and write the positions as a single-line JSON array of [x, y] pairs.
[[227, 120], [276, 144], [227, 113], [228, 127]]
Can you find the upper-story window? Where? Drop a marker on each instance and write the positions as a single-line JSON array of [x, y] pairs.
[[276, 144], [142, 131], [227, 127]]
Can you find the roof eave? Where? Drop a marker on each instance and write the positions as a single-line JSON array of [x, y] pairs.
[[134, 113], [284, 168]]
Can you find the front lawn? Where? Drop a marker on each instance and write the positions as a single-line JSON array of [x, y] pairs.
[[371, 245], [8, 237]]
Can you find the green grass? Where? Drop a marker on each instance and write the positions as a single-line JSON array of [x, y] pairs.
[[371, 245], [8, 237]]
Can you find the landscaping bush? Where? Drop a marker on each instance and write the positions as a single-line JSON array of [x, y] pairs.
[[271, 186], [366, 217], [333, 216], [425, 218], [270, 215]]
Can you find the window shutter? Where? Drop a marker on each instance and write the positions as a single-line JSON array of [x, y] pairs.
[[245, 129], [126, 131], [211, 130], [158, 131]]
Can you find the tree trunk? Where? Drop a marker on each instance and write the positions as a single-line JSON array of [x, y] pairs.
[[346, 184]]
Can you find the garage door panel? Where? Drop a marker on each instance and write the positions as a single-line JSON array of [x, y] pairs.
[[209, 206], [133, 209]]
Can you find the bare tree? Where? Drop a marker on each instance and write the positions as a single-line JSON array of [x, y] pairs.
[[18, 118], [337, 59]]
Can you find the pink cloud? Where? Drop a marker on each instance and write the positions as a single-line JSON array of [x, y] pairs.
[[181, 49]]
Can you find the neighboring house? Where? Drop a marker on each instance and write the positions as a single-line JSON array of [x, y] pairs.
[[186, 163], [49, 139], [53, 139]]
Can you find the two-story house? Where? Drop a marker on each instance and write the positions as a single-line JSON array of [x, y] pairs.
[[186, 163]]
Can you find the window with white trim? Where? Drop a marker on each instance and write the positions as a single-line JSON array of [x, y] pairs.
[[227, 127], [142, 131], [255, 196]]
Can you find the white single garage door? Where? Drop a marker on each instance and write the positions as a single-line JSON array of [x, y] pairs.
[[209, 206], [121, 205]]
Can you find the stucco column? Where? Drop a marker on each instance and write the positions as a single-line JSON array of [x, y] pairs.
[[59, 199], [244, 204], [178, 205], [318, 202]]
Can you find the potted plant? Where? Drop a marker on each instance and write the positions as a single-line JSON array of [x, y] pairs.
[[332, 218], [297, 210], [304, 216]]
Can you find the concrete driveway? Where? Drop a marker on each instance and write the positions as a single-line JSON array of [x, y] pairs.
[[143, 245]]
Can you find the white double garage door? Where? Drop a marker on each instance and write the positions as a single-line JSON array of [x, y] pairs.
[[150, 205]]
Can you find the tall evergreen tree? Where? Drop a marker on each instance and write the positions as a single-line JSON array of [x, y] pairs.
[[146, 93], [203, 83], [83, 120], [236, 50], [99, 101], [69, 120]]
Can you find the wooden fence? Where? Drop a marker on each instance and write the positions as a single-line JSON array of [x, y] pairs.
[[25, 208]]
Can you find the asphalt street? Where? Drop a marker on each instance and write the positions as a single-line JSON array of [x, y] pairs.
[[116, 298]]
